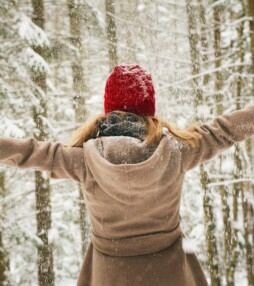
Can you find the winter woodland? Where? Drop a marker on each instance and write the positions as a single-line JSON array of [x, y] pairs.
[[55, 56]]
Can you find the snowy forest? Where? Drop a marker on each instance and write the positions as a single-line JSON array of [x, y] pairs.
[[55, 56]]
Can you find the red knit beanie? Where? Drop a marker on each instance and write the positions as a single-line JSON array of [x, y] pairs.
[[130, 88]]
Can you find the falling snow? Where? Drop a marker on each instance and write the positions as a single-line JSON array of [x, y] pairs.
[[193, 83]]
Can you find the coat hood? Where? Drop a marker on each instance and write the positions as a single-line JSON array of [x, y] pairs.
[[127, 169]]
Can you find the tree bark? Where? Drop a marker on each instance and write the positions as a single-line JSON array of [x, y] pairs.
[[111, 33], [251, 14], [217, 55], [230, 236], [210, 223], [246, 205], [204, 39], [129, 11], [4, 260], [249, 146], [42, 186], [80, 89]]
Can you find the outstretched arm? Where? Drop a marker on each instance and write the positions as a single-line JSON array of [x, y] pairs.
[[222, 133], [60, 162]]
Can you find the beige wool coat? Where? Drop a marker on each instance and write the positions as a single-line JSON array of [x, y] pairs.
[[132, 195]]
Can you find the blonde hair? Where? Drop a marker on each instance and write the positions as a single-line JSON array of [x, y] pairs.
[[154, 126]]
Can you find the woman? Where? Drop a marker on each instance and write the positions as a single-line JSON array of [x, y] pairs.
[[131, 171]]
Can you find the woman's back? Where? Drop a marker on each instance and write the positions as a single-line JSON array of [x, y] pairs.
[[133, 202]]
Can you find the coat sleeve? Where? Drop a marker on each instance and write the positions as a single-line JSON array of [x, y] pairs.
[[58, 161], [224, 131]]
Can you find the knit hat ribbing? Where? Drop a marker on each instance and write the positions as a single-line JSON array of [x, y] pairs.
[[130, 88]]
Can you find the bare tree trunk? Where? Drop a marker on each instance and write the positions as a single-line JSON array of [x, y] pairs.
[[58, 19], [218, 54], [251, 14], [4, 260], [246, 205], [3, 266], [204, 40], [229, 261], [247, 234], [207, 200], [230, 238], [80, 88], [42, 186], [129, 11], [210, 223], [249, 147], [248, 142], [111, 33]]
